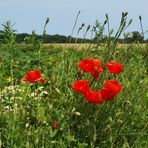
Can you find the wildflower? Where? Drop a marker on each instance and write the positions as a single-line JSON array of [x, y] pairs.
[[112, 87], [54, 124], [86, 65], [33, 76], [81, 86], [93, 67], [114, 67], [107, 94], [93, 97]]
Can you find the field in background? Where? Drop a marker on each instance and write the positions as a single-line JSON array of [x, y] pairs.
[[87, 45]]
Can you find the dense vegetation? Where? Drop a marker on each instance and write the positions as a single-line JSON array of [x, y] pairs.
[[52, 114]]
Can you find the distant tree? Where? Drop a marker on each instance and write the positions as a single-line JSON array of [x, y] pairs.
[[136, 37], [21, 36]]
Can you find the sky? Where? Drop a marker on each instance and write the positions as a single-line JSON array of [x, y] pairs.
[[28, 15]]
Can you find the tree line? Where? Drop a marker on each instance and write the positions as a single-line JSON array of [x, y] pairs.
[[8, 34], [134, 36]]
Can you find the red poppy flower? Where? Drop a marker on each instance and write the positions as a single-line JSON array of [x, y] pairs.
[[93, 67], [33, 76], [113, 85], [114, 67], [93, 97], [81, 86], [107, 94], [54, 124], [86, 65]]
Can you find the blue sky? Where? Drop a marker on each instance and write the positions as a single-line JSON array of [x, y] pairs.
[[30, 15]]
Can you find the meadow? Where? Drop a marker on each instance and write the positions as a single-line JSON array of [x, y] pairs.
[[48, 112]]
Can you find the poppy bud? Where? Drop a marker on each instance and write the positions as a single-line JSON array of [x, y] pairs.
[[54, 124]]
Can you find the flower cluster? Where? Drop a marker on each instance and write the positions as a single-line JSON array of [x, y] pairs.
[[94, 68]]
